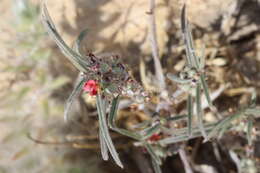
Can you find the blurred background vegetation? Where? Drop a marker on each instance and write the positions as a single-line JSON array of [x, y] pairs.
[[35, 79]]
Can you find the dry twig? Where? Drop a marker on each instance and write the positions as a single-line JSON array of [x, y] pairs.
[[154, 45]]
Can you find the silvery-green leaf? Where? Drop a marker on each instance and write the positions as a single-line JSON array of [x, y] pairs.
[[150, 150], [205, 89], [195, 129], [223, 123], [160, 78], [103, 146], [156, 166], [207, 95], [75, 58], [249, 130], [112, 123], [176, 79], [192, 60], [104, 129], [200, 111], [180, 137], [174, 139], [183, 27], [191, 49], [148, 132], [202, 58], [77, 44], [190, 113], [141, 125], [253, 111], [74, 95], [223, 130]]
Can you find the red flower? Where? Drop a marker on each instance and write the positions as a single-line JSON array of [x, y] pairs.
[[155, 137], [91, 87]]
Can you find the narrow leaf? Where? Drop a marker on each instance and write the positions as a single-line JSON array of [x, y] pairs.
[[202, 58], [190, 45], [75, 58], [190, 113], [148, 132], [249, 130], [200, 111], [253, 111], [112, 121], [113, 112], [150, 150], [104, 129], [74, 95], [184, 24], [103, 146], [174, 139], [224, 129], [184, 137], [176, 79], [141, 125], [183, 27], [77, 44], [156, 166], [183, 19], [206, 90], [225, 122], [195, 129], [155, 50], [192, 60], [185, 160]]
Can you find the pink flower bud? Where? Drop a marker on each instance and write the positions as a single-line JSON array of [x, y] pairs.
[[155, 137]]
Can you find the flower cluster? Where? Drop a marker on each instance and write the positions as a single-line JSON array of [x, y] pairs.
[[109, 76]]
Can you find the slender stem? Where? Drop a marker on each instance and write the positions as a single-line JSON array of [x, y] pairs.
[[249, 130], [156, 166], [190, 113], [185, 161]]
